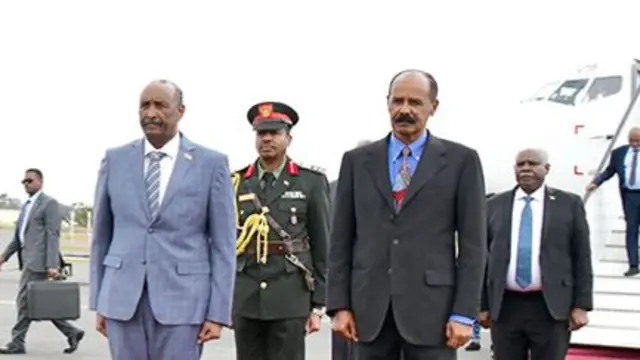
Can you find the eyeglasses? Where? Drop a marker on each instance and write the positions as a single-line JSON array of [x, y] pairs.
[[26, 181]]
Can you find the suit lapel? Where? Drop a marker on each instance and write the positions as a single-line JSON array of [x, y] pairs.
[[430, 163], [34, 207], [548, 213], [507, 208], [136, 169], [284, 181], [183, 163], [377, 164]]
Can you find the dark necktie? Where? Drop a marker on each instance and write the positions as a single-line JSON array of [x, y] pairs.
[[267, 182], [634, 165]]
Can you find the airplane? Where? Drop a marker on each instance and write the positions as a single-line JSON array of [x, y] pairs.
[[578, 118]]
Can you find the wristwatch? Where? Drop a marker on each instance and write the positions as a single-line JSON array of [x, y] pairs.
[[319, 311]]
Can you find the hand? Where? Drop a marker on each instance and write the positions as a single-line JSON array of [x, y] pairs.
[[458, 334], [209, 331], [344, 324], [484, 319], [101, 325], [578, 319], [53, 273], [313, 324], [591, 187]]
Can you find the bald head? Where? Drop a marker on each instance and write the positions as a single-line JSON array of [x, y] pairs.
[[170, 86], [424, 76], [634, 137]]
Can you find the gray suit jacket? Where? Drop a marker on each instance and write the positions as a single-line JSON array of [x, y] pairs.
[[186, 255], [41, 249], [378, 256], [565, 257]]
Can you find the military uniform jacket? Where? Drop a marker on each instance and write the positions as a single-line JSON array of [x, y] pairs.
[[299, 203]]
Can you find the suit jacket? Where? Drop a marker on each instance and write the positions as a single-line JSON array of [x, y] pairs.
[[185, 255], [41, 249], [565, 255], [378, 256], [615, 167]]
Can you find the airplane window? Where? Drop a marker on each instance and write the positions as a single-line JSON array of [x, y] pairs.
[[567, 92], [603, 87]]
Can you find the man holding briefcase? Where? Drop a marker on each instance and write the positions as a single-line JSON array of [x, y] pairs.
[[37, 244]]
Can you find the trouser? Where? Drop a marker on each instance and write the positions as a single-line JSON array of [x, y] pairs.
[[269, 339], [631, 206]]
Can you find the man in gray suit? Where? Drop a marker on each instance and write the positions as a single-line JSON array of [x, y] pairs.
[[163, 254], [36, 242], [395, 285]]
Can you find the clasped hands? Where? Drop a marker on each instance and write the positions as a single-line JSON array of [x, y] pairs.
[[344, 323]]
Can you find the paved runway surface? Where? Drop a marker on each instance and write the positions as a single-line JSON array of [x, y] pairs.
[[45, 342]]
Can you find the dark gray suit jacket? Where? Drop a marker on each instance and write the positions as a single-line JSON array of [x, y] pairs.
[[41, 249], [565, 256], [378, 256]]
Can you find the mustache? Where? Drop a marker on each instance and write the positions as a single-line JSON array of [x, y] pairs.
[[151, 121], [404, 119]]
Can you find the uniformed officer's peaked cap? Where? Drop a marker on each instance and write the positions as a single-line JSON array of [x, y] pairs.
[[272, 116]]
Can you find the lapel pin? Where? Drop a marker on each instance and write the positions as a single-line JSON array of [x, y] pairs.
[[551, 197], [286, 183], [188, 156]]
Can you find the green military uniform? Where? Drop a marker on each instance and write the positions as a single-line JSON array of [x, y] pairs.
[[274, 295]]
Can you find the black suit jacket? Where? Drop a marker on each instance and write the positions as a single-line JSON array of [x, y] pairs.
[[378, 256], [565, 255]]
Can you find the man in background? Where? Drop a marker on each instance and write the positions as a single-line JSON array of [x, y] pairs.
[[163, 247], [534, 295], [624, 163], [36, 241]]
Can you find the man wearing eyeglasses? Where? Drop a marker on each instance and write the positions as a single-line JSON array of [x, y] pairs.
[[36, 242]]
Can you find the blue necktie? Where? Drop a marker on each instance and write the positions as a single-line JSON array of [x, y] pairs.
[[523, 264], [152, 182]]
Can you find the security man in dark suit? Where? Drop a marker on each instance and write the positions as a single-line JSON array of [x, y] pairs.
[[539, 279], [283, 228]]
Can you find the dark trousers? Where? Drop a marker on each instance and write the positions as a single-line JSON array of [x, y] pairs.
[[390, 345], [341, 349], [269, 339], [524, 326], [631, 206]]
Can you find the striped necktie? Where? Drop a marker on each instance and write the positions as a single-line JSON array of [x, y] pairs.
[[152, 182], [402, 179]]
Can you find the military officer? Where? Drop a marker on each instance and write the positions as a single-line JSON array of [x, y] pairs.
[[283, 229]]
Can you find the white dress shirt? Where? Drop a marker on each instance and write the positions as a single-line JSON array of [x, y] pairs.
[[170, 149], [537, 208], [27, 211]]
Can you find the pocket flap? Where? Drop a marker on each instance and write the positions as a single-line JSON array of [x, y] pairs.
[[200, 267], [439, 278], [112, 261]]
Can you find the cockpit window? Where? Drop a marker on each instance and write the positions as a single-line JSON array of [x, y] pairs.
[[603, 87], [568, 91]]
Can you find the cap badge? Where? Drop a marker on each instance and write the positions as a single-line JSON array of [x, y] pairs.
[[265, 110]]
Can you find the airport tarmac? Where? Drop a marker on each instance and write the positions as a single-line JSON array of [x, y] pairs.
[[45, 342]]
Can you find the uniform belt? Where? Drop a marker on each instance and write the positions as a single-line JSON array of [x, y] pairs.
[[280, 247]]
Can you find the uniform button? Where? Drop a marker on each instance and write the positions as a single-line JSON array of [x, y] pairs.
[[149, 230], [390, 271], [396, 241], [263, 285]]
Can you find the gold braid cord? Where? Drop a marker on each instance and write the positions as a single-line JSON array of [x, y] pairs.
[[256, 224]]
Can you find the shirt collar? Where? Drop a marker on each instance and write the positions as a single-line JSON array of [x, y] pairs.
[[34, 197], [276, 173], [537, 195], [170, 149], [416, 146]]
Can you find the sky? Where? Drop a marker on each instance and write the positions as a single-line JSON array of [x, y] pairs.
[[71, 72]]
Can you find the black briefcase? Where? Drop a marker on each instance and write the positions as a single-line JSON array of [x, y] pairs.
[[53, 300]]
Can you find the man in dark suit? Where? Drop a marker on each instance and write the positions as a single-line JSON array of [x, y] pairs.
[[624, 163], [395, 286], [539, 280]]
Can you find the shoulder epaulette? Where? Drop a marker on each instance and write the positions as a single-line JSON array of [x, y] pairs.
[[314, 168]]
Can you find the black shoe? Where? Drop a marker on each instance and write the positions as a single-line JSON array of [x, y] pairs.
[[74, 341], [473, 346], [632, 271], [12, 349]]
